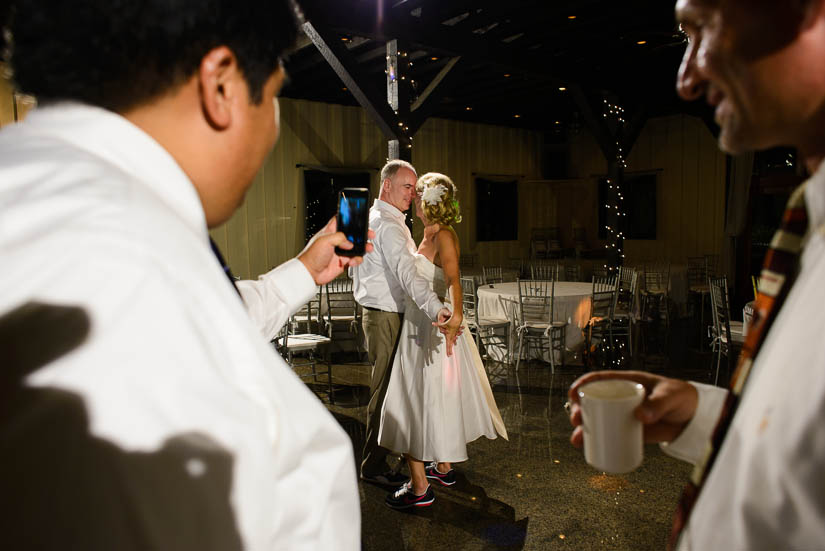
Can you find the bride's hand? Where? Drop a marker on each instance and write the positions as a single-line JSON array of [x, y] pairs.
[[449, 323]]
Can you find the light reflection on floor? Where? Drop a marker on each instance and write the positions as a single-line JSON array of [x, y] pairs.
[[533, 492]]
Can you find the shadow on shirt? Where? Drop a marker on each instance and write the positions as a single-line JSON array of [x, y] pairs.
[[63, 488]]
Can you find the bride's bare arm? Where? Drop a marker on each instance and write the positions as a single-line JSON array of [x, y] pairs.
[[446, 243]]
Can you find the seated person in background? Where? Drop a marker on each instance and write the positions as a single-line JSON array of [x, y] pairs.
[[170, 422]]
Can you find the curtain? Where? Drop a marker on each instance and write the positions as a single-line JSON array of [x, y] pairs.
[[741, 172]]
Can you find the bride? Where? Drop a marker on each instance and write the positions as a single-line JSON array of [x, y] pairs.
[[437, 399]]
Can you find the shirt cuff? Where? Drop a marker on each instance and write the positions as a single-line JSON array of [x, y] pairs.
[[690, 446], [434, 306], [300, 280], [291, 281]]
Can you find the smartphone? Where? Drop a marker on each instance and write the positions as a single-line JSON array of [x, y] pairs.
[[353, 219]]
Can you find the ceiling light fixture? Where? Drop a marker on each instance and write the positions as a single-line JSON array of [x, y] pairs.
[[571, 17], [562, 88], [641, 42]]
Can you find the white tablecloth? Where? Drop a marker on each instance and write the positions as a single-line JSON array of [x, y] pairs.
[[571, 303]]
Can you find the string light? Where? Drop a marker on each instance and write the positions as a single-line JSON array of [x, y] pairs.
[[398, 67], [615, 115]]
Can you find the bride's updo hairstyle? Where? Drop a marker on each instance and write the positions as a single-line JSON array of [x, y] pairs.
[[438, 198]]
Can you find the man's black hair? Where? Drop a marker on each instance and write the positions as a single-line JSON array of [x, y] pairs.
[[5, 13], [118, 54]]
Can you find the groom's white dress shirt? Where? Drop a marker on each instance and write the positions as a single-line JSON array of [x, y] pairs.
[[388, 275], [174, 424]]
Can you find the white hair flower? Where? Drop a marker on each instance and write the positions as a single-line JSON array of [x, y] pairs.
[[432, 195]]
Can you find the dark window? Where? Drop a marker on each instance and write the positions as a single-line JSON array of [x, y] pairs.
[[639, 205], [321, 191], [496, 210]]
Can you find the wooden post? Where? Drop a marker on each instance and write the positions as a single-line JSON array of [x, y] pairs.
[[616, 218], [399, 100]]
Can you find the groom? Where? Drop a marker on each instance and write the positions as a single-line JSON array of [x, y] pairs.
[[381, 285]]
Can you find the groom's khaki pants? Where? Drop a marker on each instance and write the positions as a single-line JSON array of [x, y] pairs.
[[381, 330]]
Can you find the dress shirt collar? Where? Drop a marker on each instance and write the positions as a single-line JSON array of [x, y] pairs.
[[122, 144], [815, 197], [383, 206]]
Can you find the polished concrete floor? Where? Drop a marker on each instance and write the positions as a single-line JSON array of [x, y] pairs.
[[534, 491]]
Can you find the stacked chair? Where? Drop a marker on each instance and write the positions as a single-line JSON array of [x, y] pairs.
[[492, 274], [545, 243], [580, 243], [467, 260], [572, 272], [343, 314], [697, 274], [656, 291], [624, 308], [726, 335], [545, 271]]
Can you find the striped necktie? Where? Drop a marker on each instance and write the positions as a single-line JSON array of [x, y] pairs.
[[224, 265], [778, 274]]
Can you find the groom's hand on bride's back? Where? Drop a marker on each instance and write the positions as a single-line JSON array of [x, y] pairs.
[[450, 325], [319, 256]]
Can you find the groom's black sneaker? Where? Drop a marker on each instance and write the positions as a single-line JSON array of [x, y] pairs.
[[445, 479], [389, 478], [404, 498]]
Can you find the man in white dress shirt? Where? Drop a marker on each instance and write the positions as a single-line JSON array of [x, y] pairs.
[[140, 406], [381, 285], [759, 63]]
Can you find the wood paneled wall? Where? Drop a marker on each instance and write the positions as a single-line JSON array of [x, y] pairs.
[[269, 228], [463, 151], [690, 194], [691, 188], [8, 100]]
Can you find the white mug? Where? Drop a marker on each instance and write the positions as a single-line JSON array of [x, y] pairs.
[[612, 435]]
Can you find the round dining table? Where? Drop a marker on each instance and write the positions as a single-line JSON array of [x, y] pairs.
[[571, 304]]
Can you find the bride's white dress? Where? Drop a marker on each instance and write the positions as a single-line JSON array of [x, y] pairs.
[[436, 403]]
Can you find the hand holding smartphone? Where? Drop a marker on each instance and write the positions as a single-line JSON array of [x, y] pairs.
[[353, 219]]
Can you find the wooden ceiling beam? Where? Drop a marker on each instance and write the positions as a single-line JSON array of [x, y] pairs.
[[438, 11], [429, 100], [344, 17], [348, 71]]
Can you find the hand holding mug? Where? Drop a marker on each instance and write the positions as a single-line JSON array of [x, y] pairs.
[[666, 408], [612, 410]]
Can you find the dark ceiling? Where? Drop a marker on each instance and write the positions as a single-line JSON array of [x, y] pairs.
[[519, 59]]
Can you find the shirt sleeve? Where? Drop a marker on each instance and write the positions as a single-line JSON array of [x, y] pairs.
[[276, 295], [691, 445], [402, 264]]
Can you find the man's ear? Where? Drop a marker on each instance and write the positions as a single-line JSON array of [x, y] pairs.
[[386, 184], [219, 81]]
